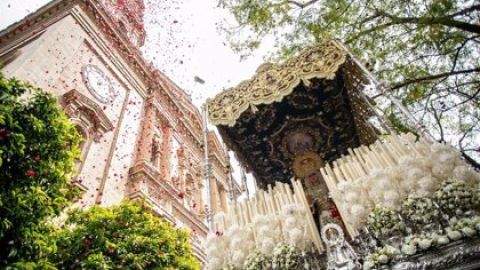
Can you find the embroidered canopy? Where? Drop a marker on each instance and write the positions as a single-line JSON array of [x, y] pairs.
[[312, 102]]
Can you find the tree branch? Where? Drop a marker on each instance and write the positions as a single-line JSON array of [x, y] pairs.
[[301, 5], [434, 77], [438, 120], [446, 21], [464, 11]]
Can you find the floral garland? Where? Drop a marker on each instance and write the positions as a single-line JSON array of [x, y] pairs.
[[237, 248], [420, 172], [453, 197], [412, 244]]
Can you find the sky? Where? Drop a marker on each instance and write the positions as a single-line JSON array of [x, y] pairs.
[[183, 41]]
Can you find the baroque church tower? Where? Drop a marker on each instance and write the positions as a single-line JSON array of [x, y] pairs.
[[142, 136]]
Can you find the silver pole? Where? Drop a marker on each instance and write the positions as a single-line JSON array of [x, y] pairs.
[[385, 91], [206, 168], [244, 180], [230, 176]]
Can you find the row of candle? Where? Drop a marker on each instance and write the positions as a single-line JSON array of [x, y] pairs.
[[266, 203], [364, 160]]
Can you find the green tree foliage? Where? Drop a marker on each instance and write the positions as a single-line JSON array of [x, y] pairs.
[[125, 236], [426, 51], [38, 146]]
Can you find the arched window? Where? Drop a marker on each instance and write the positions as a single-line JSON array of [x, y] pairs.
[[84, 145]]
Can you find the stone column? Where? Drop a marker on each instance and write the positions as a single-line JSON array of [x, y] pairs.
[[165, 161], [214, 195], [223, 198], [156, 151], [145, 147]]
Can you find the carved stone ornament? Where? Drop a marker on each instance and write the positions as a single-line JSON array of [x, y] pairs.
[[98, 83], [273, 82], [78, 106]]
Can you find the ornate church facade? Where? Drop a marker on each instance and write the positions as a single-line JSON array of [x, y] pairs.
[[142, 136]]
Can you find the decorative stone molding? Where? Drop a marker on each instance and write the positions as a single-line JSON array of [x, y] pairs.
[[78, 106], [147, 180]]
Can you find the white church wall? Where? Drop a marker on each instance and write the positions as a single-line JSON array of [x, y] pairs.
[[54, 61], [124, 152]]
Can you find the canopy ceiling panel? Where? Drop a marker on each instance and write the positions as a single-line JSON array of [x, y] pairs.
[[309, 103]]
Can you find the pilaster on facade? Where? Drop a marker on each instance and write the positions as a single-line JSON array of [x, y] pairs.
[[146, 180], [167, 114]]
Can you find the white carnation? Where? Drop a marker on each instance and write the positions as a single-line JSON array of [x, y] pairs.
[[290, 223], [219, 217], [368, 265], [238, 257], [296, 237], [383, 259], [390, 199], [214, 263], [425, 243], [409, 249], [469, 232], [351, 196], [415, 173], [267, 246], [237, 241], [454, 235], [447, 157], [406, 160], [342, 185], [443, 170], [408, 184], [264, 230], [291, 209], [443, 240]]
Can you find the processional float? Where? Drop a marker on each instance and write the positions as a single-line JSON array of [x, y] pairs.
[[339, 188]]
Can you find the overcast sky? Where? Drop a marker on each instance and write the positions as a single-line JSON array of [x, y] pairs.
[[182, 41]]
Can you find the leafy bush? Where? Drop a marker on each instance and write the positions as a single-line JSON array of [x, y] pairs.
[[38, 146], [124, 236]]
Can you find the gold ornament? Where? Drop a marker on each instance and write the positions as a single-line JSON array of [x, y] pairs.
[[306, 164]]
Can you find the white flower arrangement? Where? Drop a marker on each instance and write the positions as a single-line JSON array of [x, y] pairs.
[[419, 180], [419, 210], [466, 174], [258, 261], [236, 248], [383, 222], [354, 194], [456, 198], [216, 249], [412, 244], [294, 227], [286, 257], [228, 267]]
